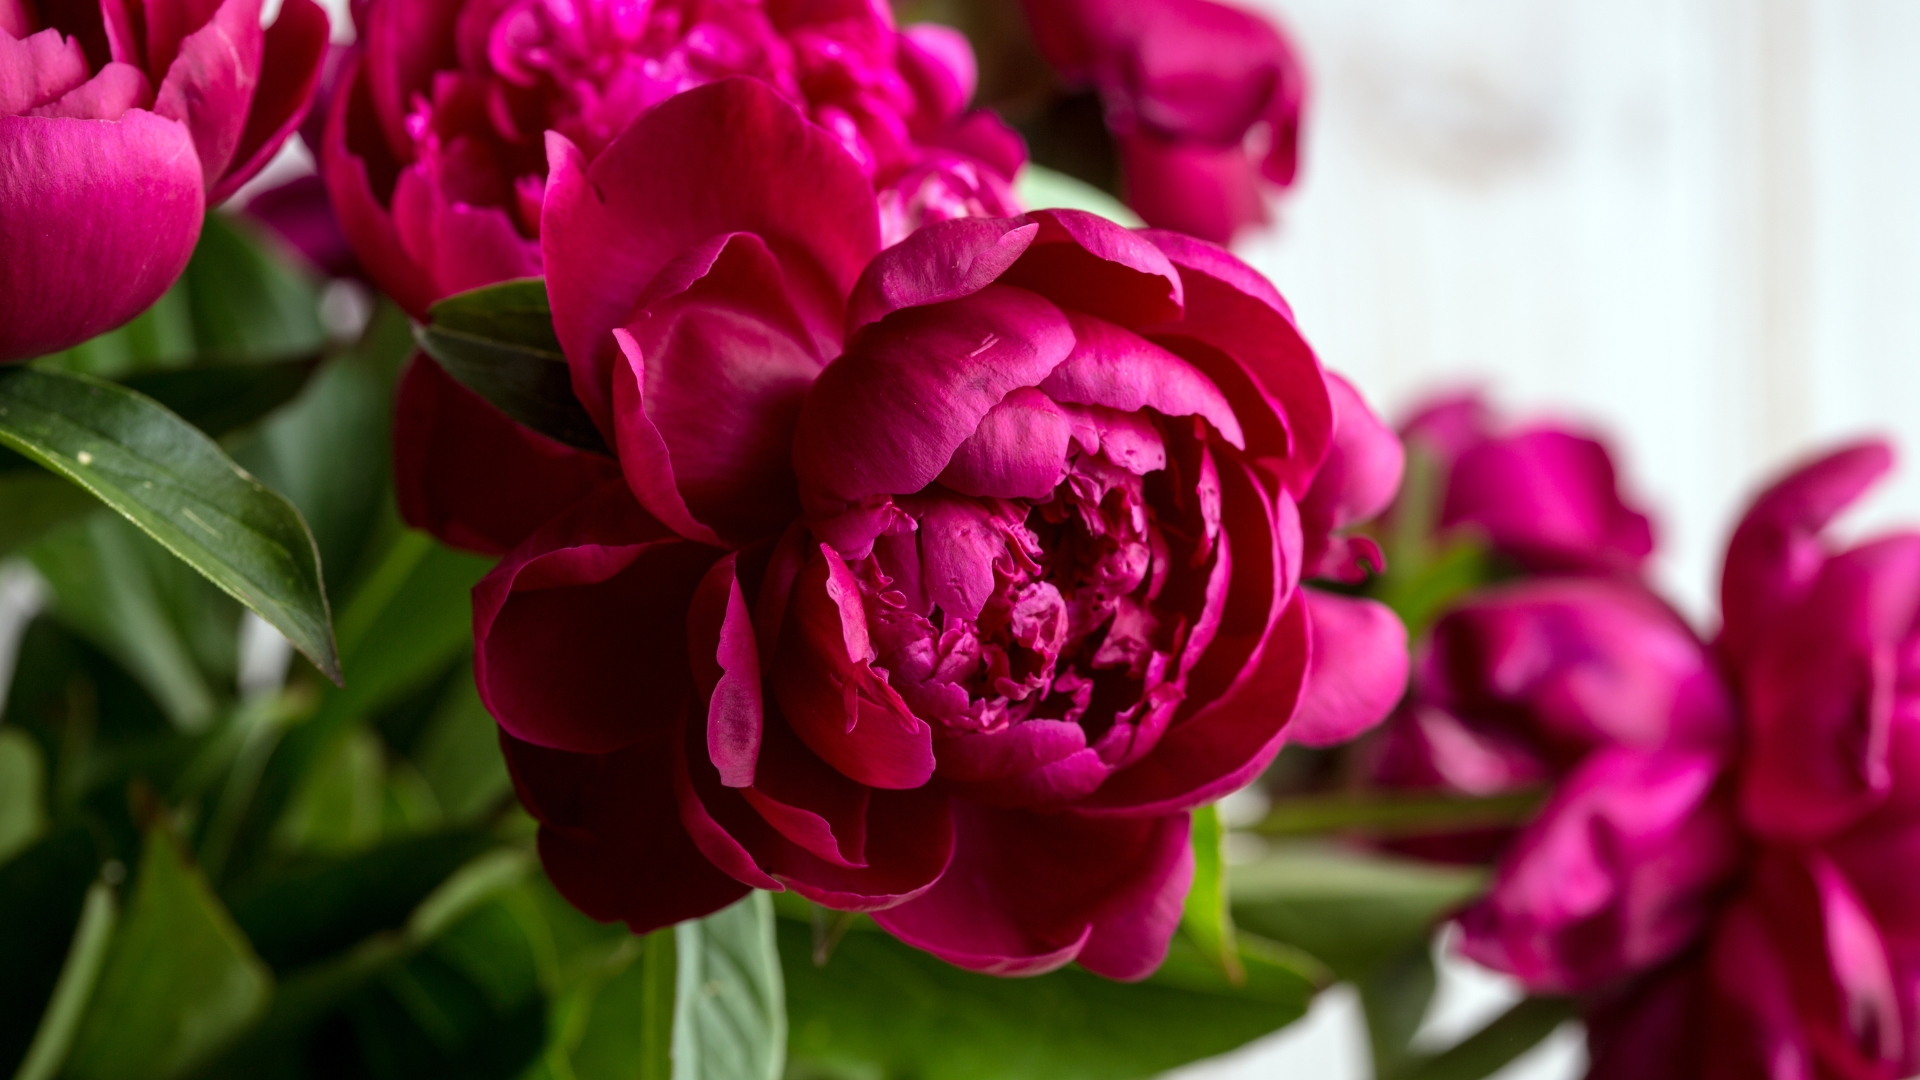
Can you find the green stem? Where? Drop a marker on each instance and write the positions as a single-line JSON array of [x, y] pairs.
[[1396, 814]]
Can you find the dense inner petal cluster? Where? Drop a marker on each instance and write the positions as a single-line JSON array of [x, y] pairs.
[[1074, 607]]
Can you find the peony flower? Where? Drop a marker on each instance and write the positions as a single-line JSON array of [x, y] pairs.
[[118, 125], [1541, 494], [434, 152], [1802, 958], [937, 581], [1203, 101]]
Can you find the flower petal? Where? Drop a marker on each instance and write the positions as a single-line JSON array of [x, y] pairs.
[[607, 230], [824, 680], [1028, 892], [943, 261], [610, 834], [1357, 671], [726, 670], [1086, 263], [715, 364], [1211, 192], [292, 53], [209, 85], [97, 219], [366, 223], [581, 633], [465, 472], [886, 417]]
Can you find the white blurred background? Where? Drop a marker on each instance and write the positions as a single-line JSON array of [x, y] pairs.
[[1694, 224]]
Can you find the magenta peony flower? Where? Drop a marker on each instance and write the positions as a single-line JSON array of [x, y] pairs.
[[938, 582], [1792, 893], [119, 123], [1542, 494], [1203, 100], [434, 152]]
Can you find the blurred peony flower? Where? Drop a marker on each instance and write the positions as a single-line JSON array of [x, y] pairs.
[[1203, 101], [434, 151], [1541, 494], [1794, 888], [119, 123], [938, 582]]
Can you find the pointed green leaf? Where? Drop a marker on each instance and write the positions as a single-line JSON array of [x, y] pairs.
[[180, 981], [1490, 1049], [180, 488], [498, 341], [730, 1013]]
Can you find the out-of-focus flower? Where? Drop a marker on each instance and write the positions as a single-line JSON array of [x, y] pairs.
[[1806, 959], [1542, 494], [1203, 101], [434, 152], [119, 123], [939, 581]]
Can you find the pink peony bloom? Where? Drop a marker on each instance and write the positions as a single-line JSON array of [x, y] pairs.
[[1203, 100], [937, 581], [1542, 494], [435, 153], [1781, 875], [119, 123]]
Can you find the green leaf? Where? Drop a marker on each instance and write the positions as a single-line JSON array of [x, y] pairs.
[[179, 980], [880, 1008], [1206, 918], [1490, 1049], [1352, 910], [33, 501], [224, 398], [498, 341], [42, 892], [303, 911], [248, 299], [729, 1015], [78, 975], [1393, 813], [181, 489], [1044, 189], [102, 587], [1394, 997], [23, 792], [459, 753]]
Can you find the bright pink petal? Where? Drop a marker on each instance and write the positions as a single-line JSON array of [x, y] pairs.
[[364, 220], [107, 96], [1086, 263], [1240, 333], [610, 834], [1121, 370], [460, 245], [1211, 192], [469, 475], [1357, 672], [1549, 498], [887, 416], [581, 633], [39, 69], [97, 219], [825, 682], [209, 86], [1018, 451], [1029, 892], [606, 231], [406, 44], [726, 670], [292, 53], [1359, 478], [1776, 551], [713, 369], [943, 261]]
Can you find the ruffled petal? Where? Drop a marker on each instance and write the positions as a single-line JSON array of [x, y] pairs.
[[824, 680], [292, 55], [209, 85], [580, 634], [465, 472], [366, 223], [1357, 671], [610, 834], [1086, 263], [1030, 892], [1121, 370], [943, 261], [887, 416], [607, 230], [714, 366], [97, 219], [1776, 551], [1207, 191]]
